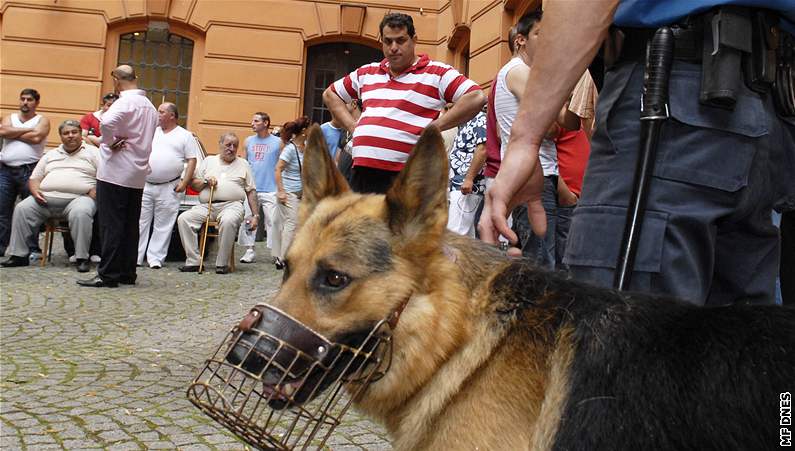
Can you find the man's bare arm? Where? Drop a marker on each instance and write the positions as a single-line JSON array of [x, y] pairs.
[[37, 134], [338, 109], [183, 184], [35, 191], [30, 136], [463, 110], [475, 166], [91, 139]]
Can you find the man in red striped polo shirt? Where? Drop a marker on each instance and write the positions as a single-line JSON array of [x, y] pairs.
[[401, 96]]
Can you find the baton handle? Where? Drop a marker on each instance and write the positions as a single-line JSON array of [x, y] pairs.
[[659, 55], [654, 111]]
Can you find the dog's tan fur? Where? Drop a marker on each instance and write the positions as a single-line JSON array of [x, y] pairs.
[[460, 378]]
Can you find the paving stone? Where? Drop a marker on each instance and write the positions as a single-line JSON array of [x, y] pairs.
[[108, 368]]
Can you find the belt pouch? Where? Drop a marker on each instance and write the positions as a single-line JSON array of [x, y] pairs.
[[727, 36]]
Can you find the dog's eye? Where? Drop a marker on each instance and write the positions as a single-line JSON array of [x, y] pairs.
[[335, 279]]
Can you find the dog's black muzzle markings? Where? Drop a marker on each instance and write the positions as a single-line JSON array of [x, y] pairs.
[[277, 384]]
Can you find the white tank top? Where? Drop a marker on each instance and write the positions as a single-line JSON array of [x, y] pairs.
[[16, 152], [505, 107]]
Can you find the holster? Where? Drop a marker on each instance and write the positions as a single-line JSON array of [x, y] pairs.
[[728, 38], [784, 87]]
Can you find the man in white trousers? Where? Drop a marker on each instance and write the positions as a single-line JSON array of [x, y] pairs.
[[262, 153], [172, 147]]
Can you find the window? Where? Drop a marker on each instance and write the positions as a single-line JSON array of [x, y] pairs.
[[327, 63], [162, 61]]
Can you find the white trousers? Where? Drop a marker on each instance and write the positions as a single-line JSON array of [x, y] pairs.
[[461, 214], [229, 216], [272, 218], [160, 204], [289, 216]]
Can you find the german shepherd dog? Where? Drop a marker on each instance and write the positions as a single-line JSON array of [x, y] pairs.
[[491, 353]]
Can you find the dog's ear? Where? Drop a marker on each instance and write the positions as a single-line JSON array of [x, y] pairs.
[[417, 200], [319, 174]]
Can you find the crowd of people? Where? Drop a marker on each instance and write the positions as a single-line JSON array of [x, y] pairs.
[[518, 161]]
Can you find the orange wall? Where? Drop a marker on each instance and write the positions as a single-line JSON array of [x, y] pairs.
[[249, 55]]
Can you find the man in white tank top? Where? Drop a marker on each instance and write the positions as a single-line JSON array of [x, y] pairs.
[[24, 135], [509, 88]]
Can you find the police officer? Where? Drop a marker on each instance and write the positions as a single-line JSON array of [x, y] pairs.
[[721, 164]]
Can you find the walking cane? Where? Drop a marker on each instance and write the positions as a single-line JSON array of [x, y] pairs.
[[206, 229], [654, 111]]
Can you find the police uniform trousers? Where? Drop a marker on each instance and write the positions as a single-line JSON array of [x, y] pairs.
[[159, 210], [707, 235]]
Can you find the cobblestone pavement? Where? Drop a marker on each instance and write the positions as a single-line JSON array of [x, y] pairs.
[[100, 368]]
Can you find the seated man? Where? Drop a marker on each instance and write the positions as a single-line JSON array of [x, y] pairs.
[[234, 183], [62, 184]]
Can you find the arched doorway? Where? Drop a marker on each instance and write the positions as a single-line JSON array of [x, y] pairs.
[[326, 63]]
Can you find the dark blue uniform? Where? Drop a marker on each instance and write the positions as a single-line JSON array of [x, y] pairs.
[[707, 236]]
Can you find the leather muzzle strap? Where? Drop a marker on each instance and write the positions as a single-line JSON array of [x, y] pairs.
[[395, 316]]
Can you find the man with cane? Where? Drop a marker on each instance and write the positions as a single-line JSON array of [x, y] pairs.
[[722, 160], [224, 182]]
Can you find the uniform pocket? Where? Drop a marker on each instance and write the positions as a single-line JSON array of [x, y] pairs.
[[607, 223], [709, 146]]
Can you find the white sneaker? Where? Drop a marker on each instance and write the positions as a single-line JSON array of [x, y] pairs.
[[73, 259], [95, 259], [249, 256], [35, 256]]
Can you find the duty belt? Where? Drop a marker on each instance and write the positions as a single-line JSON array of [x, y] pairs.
[[734, 45]]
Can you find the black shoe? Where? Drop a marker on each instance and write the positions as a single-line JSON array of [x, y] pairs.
[[14, 261], [127, 280], [82, 265], [189, 268], [97, 282], [222, 270], [279, 263]]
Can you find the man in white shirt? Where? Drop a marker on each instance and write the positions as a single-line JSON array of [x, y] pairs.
[[62, 184], [172, 148], [234, 184], [127, 130], [24, 135]]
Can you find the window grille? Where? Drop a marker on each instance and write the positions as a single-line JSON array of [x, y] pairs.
[[163, 63]]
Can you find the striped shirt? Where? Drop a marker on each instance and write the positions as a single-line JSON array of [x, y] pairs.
[[397, 109]]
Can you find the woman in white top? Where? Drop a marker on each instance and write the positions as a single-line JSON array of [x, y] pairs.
[[288, 183]]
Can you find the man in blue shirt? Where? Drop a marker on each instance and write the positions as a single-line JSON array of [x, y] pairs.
[[333, 131], [262, 153], [707, 236]]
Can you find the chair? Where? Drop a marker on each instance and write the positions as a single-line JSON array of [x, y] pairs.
[[51, 227], [210, 228]]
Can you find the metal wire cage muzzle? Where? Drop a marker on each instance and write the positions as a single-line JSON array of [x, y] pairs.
[[277, 384]]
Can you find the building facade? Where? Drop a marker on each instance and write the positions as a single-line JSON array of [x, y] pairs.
[[222, 60]]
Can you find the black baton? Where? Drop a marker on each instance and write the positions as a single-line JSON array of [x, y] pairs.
[[653, 112]]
